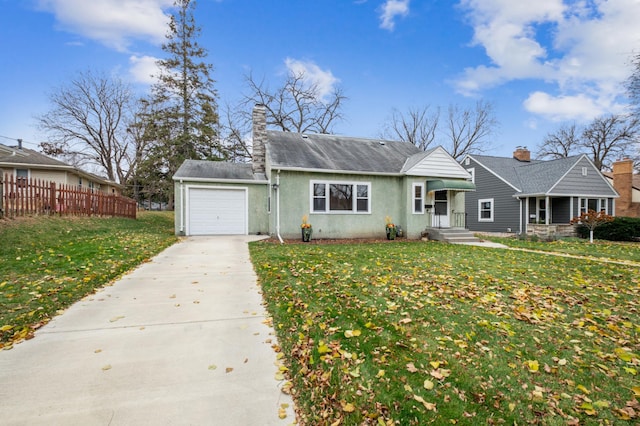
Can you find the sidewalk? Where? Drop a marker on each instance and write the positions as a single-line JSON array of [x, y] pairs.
[[179, 341]]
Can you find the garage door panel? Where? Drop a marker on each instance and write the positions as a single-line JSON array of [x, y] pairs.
[[217, 211]]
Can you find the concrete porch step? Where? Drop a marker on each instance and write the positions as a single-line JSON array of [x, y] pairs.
[[452, 235]]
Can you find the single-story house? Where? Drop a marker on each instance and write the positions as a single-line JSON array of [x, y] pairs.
[[525, 196], [22, 163], [627, 184], [346, 187]]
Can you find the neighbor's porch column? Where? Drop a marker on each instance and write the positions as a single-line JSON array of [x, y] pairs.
[[547, 208]]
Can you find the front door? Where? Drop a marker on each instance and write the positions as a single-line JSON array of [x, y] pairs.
[[441, 210]]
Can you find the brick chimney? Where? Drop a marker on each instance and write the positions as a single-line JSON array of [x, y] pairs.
[[259, 118], [522, 154], [623, 184]]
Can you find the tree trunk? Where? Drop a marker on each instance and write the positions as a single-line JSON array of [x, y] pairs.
[[591, 236]]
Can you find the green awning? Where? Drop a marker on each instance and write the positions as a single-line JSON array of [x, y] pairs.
[[450, 184]]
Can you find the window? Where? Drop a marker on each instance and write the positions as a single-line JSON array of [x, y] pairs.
[[467, 161], [340, 197], [542, 210], [584, 171], [596, 204], [485, 210], [22, 177], [472, 172], [418, 198]]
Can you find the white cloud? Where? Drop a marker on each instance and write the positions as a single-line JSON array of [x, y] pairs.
[[111, 22], [143, 69], [313, 74], [390, 10], [582, 47]]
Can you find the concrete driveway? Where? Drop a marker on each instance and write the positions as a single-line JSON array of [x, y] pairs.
[[179, 341]]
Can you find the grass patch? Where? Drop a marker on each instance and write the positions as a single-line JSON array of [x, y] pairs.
[[427, 333], [579, 247], [48, 263]]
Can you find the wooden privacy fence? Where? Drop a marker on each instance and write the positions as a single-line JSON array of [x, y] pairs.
[[22, 197]]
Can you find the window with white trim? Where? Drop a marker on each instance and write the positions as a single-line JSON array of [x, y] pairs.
[[596, 204], [340, 197], [472, 172], [485, 210], [22, 177], [418, 198]]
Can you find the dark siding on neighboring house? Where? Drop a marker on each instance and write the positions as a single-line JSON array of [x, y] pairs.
[[506, 208], [575, 183], [560, 210]]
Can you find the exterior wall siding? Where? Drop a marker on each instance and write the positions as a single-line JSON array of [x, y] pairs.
[[560, 210], [386, 199], [506, 208], [593, 185]]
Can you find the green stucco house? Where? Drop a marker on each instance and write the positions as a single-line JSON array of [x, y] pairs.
[[345, 186]]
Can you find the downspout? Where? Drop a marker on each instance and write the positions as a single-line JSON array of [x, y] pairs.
[[277, 186], [183, 207]]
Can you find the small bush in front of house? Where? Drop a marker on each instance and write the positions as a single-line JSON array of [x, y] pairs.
[[620, 229]]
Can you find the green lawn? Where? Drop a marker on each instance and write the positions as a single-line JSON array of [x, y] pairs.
[[48, 263], [574, 246], [429, 333]]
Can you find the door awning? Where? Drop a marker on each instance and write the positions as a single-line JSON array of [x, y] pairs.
[[450, 184]]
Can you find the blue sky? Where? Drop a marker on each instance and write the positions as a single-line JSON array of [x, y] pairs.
[[540, 62]]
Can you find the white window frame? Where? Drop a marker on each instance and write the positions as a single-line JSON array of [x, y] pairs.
[[472, 172], [491, 210], [327, 192], [602, 204], [414, 198]]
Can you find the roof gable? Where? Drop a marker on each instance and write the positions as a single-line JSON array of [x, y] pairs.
[[434, 163], [584, 178]]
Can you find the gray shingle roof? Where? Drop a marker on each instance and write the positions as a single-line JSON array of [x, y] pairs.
[[27, 157], [202, 169], [337, 153], [533, 177]]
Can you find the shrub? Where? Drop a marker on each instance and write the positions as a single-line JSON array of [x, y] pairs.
[[620, 229]]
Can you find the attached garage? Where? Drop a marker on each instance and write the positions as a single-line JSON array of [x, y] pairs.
[[216, 211]]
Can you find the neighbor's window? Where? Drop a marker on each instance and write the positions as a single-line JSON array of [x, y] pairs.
[[22, 177], [418, 198], [596, 204], [485, 210], [340, 197]]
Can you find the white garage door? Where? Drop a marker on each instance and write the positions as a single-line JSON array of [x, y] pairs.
[[217, 211]]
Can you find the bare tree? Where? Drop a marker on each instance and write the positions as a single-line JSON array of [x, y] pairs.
[[610, 136], [633, 83], [88, 122], [605, 139], [298, 105], [417, 126], [560, 143], [468, 129]]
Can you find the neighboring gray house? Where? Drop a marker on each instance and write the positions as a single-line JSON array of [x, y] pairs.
[[521, 195], [345, 186]]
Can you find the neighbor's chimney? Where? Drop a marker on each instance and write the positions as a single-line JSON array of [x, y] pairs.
[[522, 154], [259, 118], [623, 182], [19, 143]]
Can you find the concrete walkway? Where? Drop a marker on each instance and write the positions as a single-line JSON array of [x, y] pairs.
[[179, 341]]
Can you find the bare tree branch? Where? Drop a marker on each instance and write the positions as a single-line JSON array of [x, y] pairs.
[[417, 126], [561, 143], [87, 124], [468, 129]]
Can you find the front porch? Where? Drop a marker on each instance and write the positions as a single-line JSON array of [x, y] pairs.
[[551, 231]]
